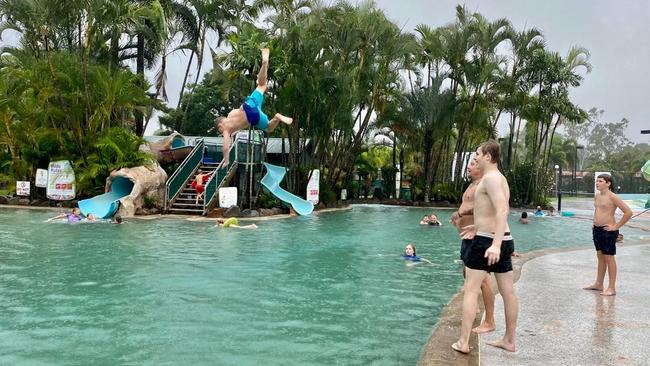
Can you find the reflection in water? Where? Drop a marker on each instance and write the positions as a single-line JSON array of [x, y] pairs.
[[605, 314]]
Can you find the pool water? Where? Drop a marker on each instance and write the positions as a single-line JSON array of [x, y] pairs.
[[320, 290]]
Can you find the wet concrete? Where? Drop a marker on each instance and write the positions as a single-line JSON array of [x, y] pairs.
[[561, 324]]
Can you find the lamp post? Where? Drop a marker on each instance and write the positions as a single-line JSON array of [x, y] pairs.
[[558, 182], [575, 164]]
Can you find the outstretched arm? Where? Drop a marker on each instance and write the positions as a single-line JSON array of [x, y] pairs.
[[226, 147], [57, 217]]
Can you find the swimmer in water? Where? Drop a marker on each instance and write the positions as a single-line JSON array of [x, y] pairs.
[[232, 222], [411, 257]]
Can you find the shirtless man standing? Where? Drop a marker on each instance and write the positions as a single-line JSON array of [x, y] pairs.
[[491, 249], [250, 112], [464, 217], [605, 233]]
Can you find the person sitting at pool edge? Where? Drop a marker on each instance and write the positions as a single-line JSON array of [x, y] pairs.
[[250, 113], [524, 218], [232, 222], [410, 255]]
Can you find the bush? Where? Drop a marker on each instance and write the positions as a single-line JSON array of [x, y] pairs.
[[444, 192], [267, 200], [327, 194]]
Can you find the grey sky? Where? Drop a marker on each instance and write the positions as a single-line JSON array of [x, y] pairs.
[[616, 33]]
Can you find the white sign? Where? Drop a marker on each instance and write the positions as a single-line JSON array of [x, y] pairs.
[[22, 188], [344, 194], [596, 178], [41, 178], [60, 181], [227, 197], [313, 187]]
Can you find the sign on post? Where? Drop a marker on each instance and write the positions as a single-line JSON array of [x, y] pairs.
[[344, 194], [227, 197], [22, 188], [313, 187], [41, 178], [61, 181]]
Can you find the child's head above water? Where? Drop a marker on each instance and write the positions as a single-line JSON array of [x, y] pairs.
[[409, 250]]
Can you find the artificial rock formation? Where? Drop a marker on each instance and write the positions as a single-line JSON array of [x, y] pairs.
[[148, 182]]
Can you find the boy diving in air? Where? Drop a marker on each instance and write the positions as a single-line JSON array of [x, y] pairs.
[[250, 112]]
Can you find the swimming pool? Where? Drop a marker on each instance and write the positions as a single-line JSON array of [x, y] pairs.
[[320, 290]]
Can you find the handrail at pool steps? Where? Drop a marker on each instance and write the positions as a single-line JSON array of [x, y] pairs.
[[177, 181], [218, 177]]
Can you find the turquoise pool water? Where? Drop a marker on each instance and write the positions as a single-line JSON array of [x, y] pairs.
[[321, 290]]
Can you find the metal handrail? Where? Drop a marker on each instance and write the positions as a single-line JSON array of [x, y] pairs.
[[233, 162], [198, 147]]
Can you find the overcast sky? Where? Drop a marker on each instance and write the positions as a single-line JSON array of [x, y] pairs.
[[615, 32]]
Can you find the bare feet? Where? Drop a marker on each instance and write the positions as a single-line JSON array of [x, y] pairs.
[[284, 119], [594, 287], [484, 328], [265, 54], [510, 347], [462, 349], [608, 292]]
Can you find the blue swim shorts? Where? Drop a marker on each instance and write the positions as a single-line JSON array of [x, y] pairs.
[[253, 108]]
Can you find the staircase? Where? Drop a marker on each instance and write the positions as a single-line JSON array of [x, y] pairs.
[[186, 204]]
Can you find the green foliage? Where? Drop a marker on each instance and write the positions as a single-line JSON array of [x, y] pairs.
[[115, 149], [149, 202], [444, 192], [327, 194], [267, 200]]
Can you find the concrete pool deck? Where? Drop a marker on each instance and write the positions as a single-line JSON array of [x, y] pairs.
[[559, 323]]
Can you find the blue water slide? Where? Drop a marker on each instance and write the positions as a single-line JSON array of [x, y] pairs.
[[105, 205], [271, 181]]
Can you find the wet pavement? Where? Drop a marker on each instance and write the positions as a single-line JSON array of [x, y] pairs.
[[561, 324]]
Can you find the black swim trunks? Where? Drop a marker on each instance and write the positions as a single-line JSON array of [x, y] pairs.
[[475, 254], [604, 240], [464, 245]]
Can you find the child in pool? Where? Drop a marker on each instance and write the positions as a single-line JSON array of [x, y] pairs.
[[232, 222], [73, 216], [524, 218], [411, 257]]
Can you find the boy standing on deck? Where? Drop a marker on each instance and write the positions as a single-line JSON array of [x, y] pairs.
[[605, 233]]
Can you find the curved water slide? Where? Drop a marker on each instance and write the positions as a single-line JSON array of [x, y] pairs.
[[105, 205], [271, 181]]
